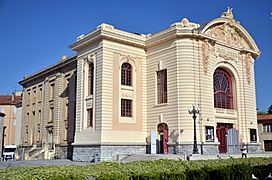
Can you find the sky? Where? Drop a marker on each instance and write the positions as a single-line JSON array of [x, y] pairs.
[[35, 33]]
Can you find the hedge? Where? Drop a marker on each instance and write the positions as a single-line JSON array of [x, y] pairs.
[[225, 169]]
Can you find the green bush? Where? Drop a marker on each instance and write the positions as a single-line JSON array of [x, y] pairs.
[[229, 169]]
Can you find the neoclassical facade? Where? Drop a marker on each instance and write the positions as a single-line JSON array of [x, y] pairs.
[[133, 91], [47, 128]]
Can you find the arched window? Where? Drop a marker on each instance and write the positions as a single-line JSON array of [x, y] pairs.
[[223, 89], [126, 74]]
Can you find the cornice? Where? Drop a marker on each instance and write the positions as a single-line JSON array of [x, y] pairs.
[[108, 32], [49, 69]]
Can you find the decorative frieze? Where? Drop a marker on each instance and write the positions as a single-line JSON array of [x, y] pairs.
[[226, 54]]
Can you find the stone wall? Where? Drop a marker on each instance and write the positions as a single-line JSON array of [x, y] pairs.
[[187, 149], [104, 153]]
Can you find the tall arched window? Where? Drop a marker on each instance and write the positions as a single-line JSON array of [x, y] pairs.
[[126, 74], [223, 89]]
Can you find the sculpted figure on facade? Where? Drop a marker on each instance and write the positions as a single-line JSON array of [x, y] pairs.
[[90, 58], [187, 24], [228, 13], [207, 48]]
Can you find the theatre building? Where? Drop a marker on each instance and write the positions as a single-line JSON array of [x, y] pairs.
[[131, 93]]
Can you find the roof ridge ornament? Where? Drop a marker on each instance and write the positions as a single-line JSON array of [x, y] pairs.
[[228, 14]]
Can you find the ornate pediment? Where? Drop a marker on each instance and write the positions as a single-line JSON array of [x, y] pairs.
[[228, 34]]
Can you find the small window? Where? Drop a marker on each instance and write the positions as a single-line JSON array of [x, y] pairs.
[[51, 114], [126, 108], [34, 97], [90, 117], [253, 135], [40, 117], [267, 128], [209, 133], [40, 94], [126, 74], [162, 86], [52, 91]]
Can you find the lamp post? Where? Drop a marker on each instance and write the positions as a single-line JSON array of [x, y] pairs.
[[194, 110]]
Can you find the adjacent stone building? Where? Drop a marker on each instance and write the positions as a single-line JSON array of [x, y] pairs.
[[134, 90], [265, 131], [48, 111]]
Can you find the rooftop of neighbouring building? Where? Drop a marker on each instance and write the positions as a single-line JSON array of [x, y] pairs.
[[264, 117], [10, 99]]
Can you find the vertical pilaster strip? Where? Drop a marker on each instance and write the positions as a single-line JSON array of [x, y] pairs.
[[79, 95]]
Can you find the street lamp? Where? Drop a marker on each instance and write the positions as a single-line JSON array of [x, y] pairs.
[[194, 110]]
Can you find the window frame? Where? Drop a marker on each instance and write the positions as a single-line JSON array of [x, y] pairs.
[[126, 74], [221, 98], [253, 135], [162, 86], [209, 134], [126, 108]]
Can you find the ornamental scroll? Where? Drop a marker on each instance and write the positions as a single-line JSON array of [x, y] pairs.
[[207, 48]]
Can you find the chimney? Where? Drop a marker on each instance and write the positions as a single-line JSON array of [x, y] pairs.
[[12, 97]]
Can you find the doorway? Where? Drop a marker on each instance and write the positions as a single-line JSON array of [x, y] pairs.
[[221, 132], [163, 139]]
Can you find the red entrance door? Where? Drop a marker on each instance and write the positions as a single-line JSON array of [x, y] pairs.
[[165, 141], [221, 135], [221, 132]]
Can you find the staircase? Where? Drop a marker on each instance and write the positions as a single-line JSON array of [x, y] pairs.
[[36, 153]]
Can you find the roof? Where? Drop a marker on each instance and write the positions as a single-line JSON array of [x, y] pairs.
[[59, 64], [8, 100], [264, 117]]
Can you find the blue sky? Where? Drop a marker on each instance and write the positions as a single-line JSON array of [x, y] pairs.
[[35, 33]]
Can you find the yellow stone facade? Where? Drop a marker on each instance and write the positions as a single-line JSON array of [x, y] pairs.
[[190, 53]]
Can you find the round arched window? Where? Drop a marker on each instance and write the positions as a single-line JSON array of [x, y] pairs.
[[223, 89], [126, 74]]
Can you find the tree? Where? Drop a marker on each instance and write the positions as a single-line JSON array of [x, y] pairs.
[[270, 110]]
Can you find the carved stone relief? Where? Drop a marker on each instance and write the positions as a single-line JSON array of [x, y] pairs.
[[128, 58], [248, 69], [90, 58], [127, 94], [226, 54], [227, 33], [207, 49], [247, 58]]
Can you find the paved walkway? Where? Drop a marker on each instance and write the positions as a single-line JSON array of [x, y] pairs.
[[57, 162], [127, 158]]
